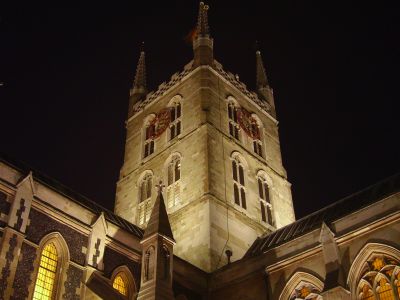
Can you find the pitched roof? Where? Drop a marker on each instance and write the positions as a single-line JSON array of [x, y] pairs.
[[327, 214], [72, 195], [159, 222]]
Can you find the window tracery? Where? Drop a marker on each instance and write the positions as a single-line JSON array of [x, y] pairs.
[[175, 117], [379, 279], [145, 191], [233, 120], [265, 202], [306, 290], [239, 191], [173, 180], [150, 130]]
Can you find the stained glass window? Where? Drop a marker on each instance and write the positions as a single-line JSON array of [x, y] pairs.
[[380, 273], [120, 285], [46, 278], [384, 290]]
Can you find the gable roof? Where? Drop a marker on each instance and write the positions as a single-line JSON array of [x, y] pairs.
[[72, 195], [327, 214]]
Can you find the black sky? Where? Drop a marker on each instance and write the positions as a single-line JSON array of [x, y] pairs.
[[334, 67]]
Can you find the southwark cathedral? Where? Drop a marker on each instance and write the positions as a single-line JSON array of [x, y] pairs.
[[203, 208]]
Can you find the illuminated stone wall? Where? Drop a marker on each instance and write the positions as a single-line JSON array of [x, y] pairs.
[[199, 220]]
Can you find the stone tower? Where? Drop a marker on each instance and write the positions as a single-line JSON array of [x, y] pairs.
[[216, 146]]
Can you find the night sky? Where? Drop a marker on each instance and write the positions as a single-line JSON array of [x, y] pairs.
[[334, 66]]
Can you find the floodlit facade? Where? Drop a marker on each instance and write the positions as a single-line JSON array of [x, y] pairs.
[[203, 209]]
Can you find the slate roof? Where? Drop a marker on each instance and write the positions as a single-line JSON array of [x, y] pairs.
[[327, 214], [72, 195]]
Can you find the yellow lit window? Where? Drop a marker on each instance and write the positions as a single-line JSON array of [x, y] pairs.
[[367, 294], [45, 281], [120, 285], [385, 290]]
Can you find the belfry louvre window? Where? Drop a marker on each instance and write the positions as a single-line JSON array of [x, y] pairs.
[[174, 186], [265, 202], [239, 193], [47, 273], [120, 284], [380, 280], [175, 126], [233, 121], [257, 144], [149, 139], [144, 207]]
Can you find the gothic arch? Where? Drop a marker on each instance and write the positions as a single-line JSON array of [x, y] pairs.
[[262, 173], [298, 279], [365, 254], [124, 272], [233, 100], [143, 175], [175, 99], [240, 157], [63, 258]]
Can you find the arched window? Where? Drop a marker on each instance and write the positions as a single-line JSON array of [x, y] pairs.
[[173, 180], [265, 202], [233, 120], [380, 279], [119, 283], [256, 134], [45, 285], [149, 134], [175, 117], [146, 187], [149, 264], [302, 285], [239, 192], [122, 280], [52, 260], [145, 191]]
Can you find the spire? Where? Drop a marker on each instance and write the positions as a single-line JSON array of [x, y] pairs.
[[202, 21], [139, 90], [140, 77], [159, 222], [202, 42], [261, 75]]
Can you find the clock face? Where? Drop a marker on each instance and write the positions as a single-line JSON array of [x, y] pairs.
[[248, 124], [163, 120]]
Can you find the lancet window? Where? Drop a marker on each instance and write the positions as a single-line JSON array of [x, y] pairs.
[[265, 201], [173, 180], [45, 285], [380, 279], [233, 120], [175, 117], [239, 190], [145, 191], [256, 134], [149, 138]]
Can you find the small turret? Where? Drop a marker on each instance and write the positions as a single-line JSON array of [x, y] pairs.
[[139, 89], [202, 42], [157, 254]]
